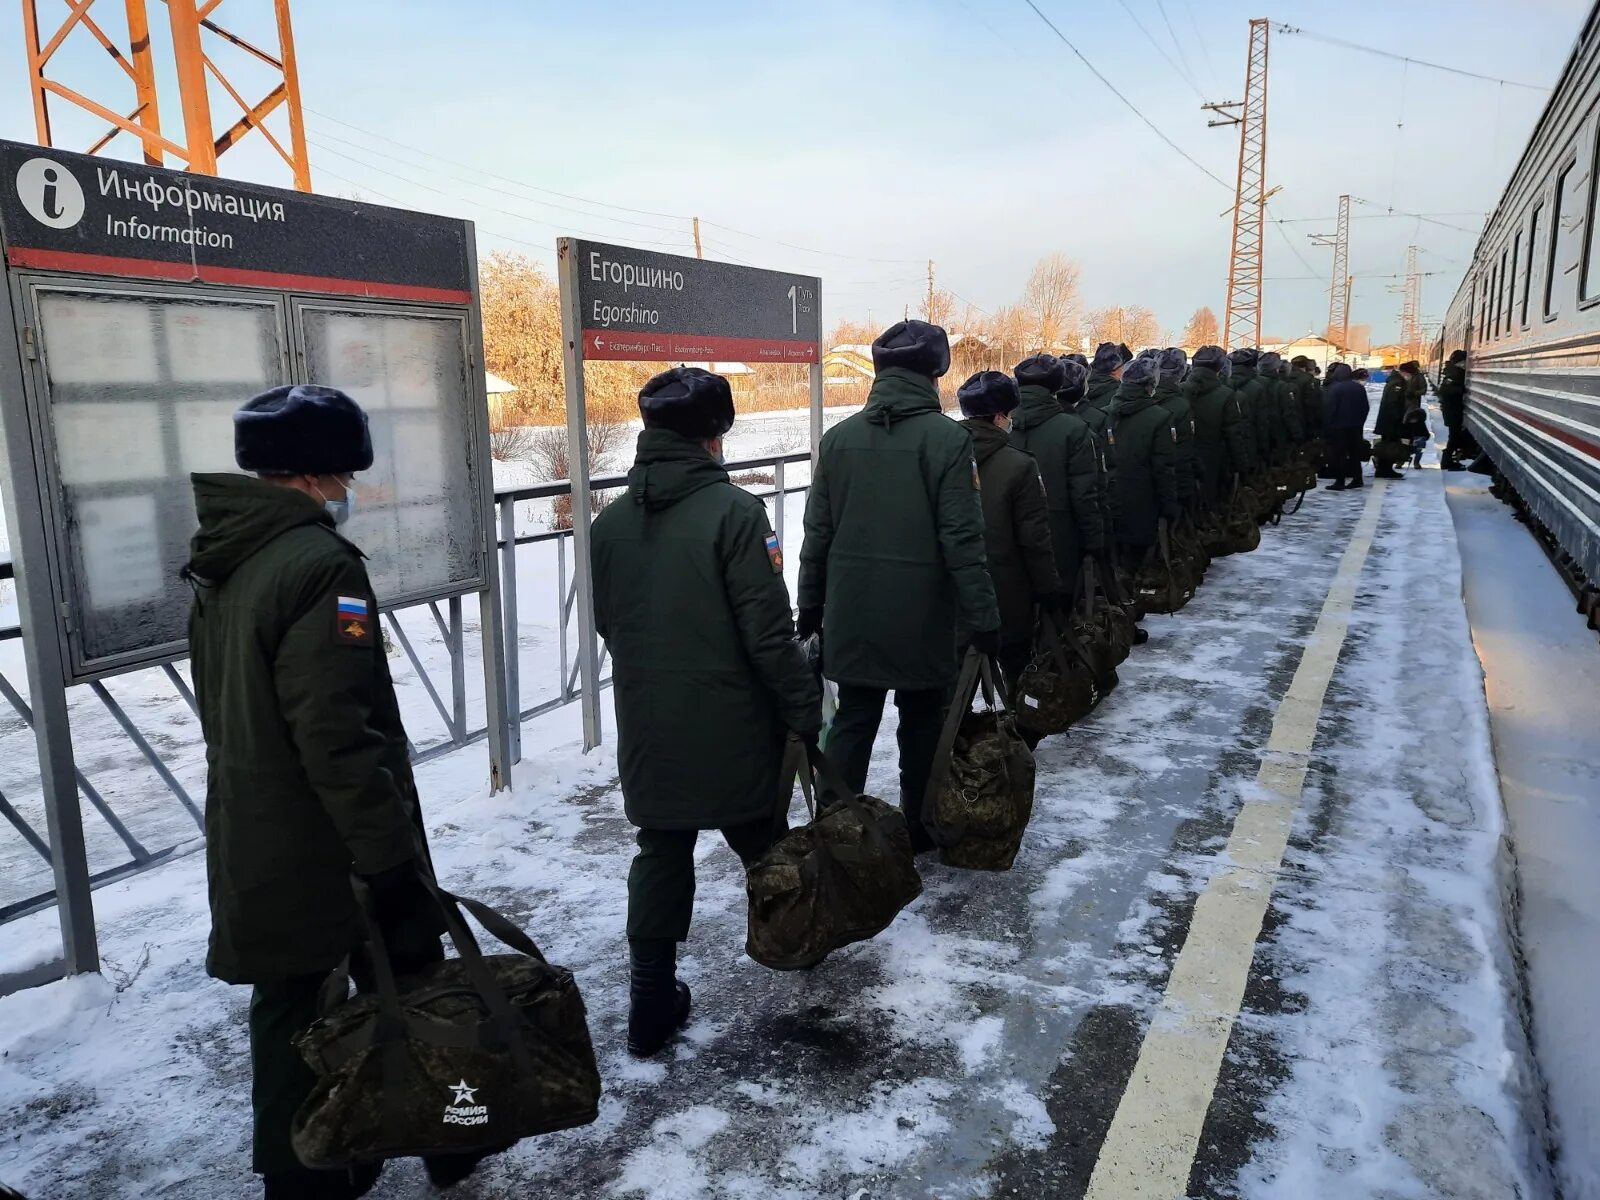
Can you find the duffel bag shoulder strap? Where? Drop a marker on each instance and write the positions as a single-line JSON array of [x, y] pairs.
[[972, 667], [1055, 635]]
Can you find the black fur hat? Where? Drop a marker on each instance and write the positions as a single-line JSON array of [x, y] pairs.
[[1214, 357], [688, 400], [1141, 374], [302, 429], [1041, 370], [1174, 362], [1074, 380], [988, 393], [1107, 357], [915, 345]]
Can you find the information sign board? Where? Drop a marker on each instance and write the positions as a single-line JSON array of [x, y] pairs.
[[637, 304]]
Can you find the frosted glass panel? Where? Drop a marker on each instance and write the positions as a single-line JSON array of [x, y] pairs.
[[417, 516], [141, 391]]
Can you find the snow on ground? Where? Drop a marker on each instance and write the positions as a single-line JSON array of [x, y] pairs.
[[979, 1046]]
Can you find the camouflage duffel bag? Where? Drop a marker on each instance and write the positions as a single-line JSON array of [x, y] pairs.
[[474, 1054], [1166, 582], [980, 792], [1058, 688], [842, 877], [1390, 453], [1236, 520], [1106, 627]]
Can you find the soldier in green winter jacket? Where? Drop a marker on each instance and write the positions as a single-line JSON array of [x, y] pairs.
[[1224, 441], [709, 681], [308, 776], [1275, 394], [1069, 463], [1147, 453], [893, 562], [1105, 374], [1174, 364], [1307, 394], [1386, 428], [1016, 518], [1253, 402]]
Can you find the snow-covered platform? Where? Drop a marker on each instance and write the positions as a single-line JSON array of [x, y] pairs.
[[1255, 945]]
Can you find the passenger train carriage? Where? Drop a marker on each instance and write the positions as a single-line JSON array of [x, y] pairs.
[[1528, 314]]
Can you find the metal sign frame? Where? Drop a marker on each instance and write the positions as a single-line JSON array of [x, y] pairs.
[[31, 487], [573, 333]]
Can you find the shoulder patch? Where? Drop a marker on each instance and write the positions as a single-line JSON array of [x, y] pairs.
[[1173, 430], [352, 620], [976, 485], [775, 553]]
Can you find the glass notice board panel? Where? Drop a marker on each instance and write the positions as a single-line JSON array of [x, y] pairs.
[[417, 515], [139, 391]]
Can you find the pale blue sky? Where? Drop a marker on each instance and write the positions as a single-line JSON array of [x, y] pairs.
[[892, 131]]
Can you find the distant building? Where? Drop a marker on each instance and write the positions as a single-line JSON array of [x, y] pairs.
[[741, 377], [499, 397]]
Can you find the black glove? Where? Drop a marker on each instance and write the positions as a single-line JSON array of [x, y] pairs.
[[986, 642], [809, 622], [407, 915]]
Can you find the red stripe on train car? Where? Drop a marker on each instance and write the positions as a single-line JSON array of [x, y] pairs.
[[1592, 449]]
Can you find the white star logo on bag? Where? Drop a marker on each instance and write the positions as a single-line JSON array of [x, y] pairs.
[[464, 1094]]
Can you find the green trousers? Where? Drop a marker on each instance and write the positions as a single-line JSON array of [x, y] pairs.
[[280, 1080], [661, 880]]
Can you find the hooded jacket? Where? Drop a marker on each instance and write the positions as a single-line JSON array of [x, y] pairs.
[[1344, 401], [1391, 406], [1102, 389], [708, 679], [308, 775], [1186, 467], [1258, 411], [1069, 464], [1147, 452], [1224, 442], [894, 540], [1453, 394], [1307, 394], [1017, 531]]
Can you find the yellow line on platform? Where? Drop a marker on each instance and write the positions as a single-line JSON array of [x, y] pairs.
[[1149, 1150]]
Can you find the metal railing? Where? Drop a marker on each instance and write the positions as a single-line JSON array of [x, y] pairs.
[[451, 705]]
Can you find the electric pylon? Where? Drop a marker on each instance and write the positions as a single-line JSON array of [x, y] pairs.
[[1411, 306], [1339, 288], [197, 65], [1241, 324]]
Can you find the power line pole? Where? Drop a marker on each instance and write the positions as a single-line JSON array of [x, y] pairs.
[[929, 313], [196, 42], [1241, 322], [698, 253], [1411, 306], [1338, 330]]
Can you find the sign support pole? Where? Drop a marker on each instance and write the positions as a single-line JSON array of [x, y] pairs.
[[44, 654], [816, 392], [503, 722], [578, 470]]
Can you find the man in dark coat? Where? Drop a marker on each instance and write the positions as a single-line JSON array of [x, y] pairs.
[[1016, 518], [1169, 394], [1453, 407], [1253, 404], [1223, 439], [1084, 497], [1344, 418], [893, 561], [709, 681], [1307, 395], [1274, 393], [1147, 452], [1064, 448], [1391, 412], [308, 776], [1105, 373]]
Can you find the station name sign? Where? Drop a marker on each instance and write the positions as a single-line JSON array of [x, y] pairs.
[[101, 216], [640, 305]]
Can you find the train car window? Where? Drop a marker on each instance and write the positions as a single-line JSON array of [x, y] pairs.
[[1533, 253], [1502, 310], [1589, 285], [1511, 282], [1566, 236]]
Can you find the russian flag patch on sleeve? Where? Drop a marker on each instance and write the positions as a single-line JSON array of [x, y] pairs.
[[353, 619], [775, 553]]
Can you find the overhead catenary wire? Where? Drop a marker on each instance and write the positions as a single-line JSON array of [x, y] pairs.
[[1129, 104], [1172, 33], [1160, 49], [1297, 31]]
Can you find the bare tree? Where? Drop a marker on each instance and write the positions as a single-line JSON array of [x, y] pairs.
[[853, 333], [1131, 324], [548, 451], [944, 307], [1051, 299], [1202, 329], [1011, 336]]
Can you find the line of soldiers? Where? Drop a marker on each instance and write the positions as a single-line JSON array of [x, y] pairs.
[[923, 536]]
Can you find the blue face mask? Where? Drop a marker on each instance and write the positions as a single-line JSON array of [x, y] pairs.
[[341, 510]]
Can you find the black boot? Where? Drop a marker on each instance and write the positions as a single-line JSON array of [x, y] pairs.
[[1141, 635], [447, 1170], [658, 1000], [1337, 486]]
